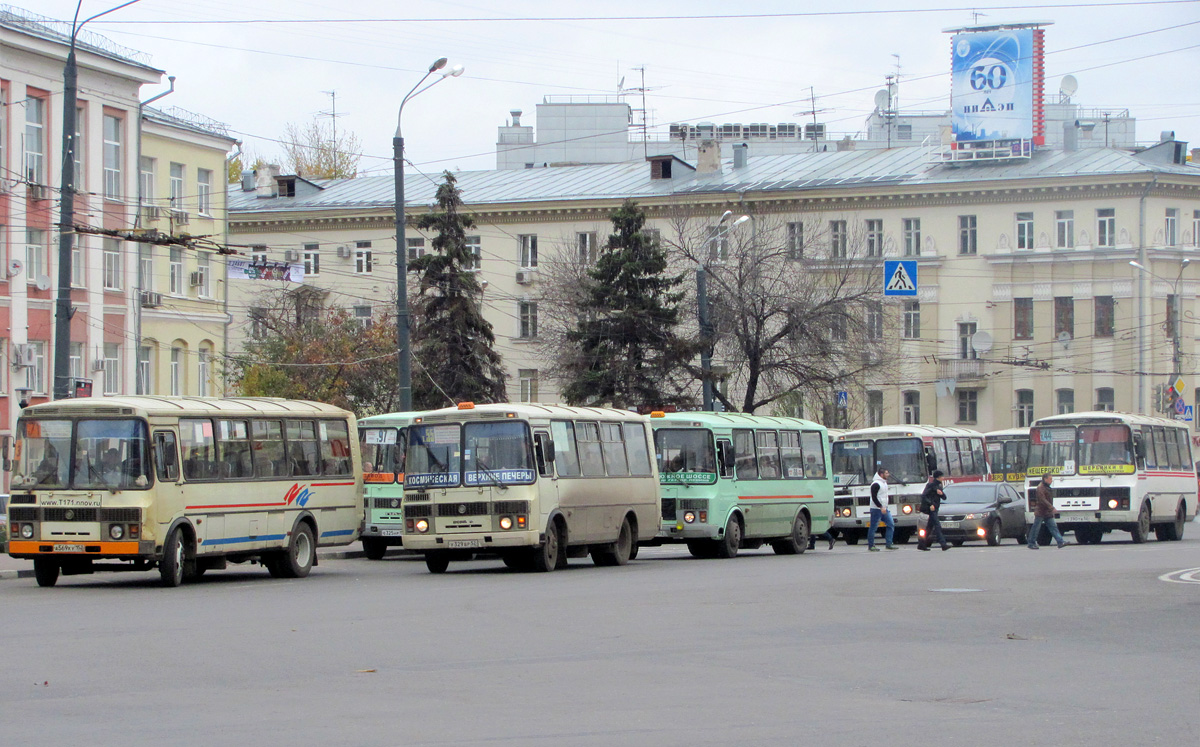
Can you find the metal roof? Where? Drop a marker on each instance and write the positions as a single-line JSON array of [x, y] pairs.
[[779, 173], [153, 405]]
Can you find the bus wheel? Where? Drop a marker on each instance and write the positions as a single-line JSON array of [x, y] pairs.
[[1172, 531], [902, 536], [518, 560], [797, 541], [1141, 530], [616, 553], [727, 546], [850, 538], [45, 570], [546, 557], [703, 549], [374, 548], [297, 560], [436, 561], [170, 568], [995, 533]]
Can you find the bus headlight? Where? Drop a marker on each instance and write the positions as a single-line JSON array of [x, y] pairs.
[[845, 512], [27, 531], [689, 517], [116, 531], [1113, 503], [907, 509], [422, 526], [506, 522]]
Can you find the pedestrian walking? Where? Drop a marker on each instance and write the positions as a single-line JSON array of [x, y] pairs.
[[879, 511], [1043, 513], [827, 536], [931, 501]]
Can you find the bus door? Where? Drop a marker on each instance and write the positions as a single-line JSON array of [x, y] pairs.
[[168, 489], [545, 459]]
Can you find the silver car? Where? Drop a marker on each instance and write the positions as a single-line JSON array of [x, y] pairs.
[[988, 511]]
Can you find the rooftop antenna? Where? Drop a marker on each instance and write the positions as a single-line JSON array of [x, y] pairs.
[[643, 111], [975, 16], [333, 115], [812, 111]]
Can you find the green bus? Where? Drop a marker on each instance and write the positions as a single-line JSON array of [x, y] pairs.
[[382, 441], [731, 481]]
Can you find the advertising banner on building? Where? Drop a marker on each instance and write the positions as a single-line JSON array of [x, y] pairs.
[[992, 85], [245, 269]]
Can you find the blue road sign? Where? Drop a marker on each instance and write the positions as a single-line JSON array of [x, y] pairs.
[[843, 399], [900, 277], [1187, 414]]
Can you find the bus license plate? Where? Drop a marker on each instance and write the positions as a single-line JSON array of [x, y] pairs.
[[68, 548], [391, 532], [949, 525], [464, 543]]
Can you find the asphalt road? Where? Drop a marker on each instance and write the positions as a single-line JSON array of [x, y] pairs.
[[975, 646]]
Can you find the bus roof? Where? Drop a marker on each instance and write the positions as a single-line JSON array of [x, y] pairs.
[[528, 411], [900, 431], [733, 419], [389, 418], [1102, 416], [149, 405], [1007, 433]]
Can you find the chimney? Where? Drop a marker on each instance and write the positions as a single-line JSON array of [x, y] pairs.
[[265, 183], [1196, 156], [740, 152], [516, 117], [248, 180], [708, 159], [1070, 136], [1166, 136], [846, 143]]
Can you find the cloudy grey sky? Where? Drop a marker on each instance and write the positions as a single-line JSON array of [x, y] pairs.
[[257, 77]]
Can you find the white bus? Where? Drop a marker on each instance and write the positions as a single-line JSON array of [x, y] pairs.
[[1112, 471], [184, 484], [910, 452], [382, 439], [535, 484], [1007, 455]]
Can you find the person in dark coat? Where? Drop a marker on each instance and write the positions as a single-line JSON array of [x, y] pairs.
[[931, 501], [1043, 513]]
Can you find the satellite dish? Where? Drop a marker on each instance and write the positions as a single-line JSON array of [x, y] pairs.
[[1068, 86], [883, 99], [1064, 337], [621, 85], [982, 342], [42, 282], [14, 267]]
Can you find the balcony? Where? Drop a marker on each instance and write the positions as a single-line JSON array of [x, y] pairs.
[[961, 369]]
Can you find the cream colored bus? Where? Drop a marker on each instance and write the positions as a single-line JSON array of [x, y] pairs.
[[182, 484], [535, 484]]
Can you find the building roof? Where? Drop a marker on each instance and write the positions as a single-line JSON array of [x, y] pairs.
[[183, 119], [42, 27], [793, 172]]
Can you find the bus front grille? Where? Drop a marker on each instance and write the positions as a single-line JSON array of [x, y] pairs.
[[386, 503], [69, 514], [22, 513], [469, 508], [417, 512], [511, 507], [420, 495], [122, 515], [694, 504]]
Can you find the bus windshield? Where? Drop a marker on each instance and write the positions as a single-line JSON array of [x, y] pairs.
[[904, 458], [685, 456], [433, 456], [1052, 450], [1105, 448], [1008, 456], [101, 454], [852, 463], [497, 454], [382, 450]]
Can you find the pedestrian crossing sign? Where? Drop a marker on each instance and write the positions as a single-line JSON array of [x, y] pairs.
[[900, 277]]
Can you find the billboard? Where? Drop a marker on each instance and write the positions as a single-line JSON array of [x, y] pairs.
[[244, 269], [996, 85]]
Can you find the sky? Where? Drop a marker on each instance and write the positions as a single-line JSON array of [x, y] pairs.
[[258, 77]]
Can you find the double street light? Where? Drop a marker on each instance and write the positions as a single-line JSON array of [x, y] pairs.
[[1177, 311], [712, 249], [403, 353]]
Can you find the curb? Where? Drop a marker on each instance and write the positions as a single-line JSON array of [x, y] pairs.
[[13, 575]]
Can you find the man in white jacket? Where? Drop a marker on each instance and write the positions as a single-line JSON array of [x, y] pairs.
[[879, 510]]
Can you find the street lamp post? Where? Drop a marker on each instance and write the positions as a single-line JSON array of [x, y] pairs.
[[403, 353], [1177, 309], [66, 212], [713, 244]]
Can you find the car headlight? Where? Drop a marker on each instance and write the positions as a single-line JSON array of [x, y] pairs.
[[422, 525], [506, 522], [116, 531], [689, 517], [27, 531]]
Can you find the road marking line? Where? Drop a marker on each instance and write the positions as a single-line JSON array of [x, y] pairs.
[[1186, 576]]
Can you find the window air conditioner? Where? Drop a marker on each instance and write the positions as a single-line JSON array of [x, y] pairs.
[[344, 251], [150, 299], [525, 277], [98, 365], [36, 191], [291, 255], [22, 356], [180, 217], [195, 279]]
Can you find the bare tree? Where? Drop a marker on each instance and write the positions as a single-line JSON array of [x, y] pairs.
[[312, 150]]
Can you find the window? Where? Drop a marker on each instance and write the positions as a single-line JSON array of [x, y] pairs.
[[176, 372], [586, 245], [1064, 225], [912, 237], [143, 370], [904, 132], [112, 158], [203, 373], [1064, 401], [204, 191], [1105, 400], [146, 167], [768, 455], [1106, 227], [874, 228], [1024, 408], [528, 318], [35, 253], [638, 448], [78, 145], [416, 248], [912, 320], [1064, 316], [1024, 231], [177, 190], [312, 259], [566, 457], [968, 405], [837, 327], [795, 240], [176, 259], [362, 315], [966, 348], [591, 463], [745, 460], [362, 258], [612, 444], [529, 384], [529, 258], [1022, 318], [78, 272], [968, 238], [75, 362], [1105, 313], [911, 407], [838, 239], [258, 322], [112, 264], [145, 267], [204, 269], [475, 247], [36, 380], [874, 408], [1171, 228], [875, 320], [258, 258], [35, 140], [112, 368], [1196, 233], [653, 236], [1169, 327]]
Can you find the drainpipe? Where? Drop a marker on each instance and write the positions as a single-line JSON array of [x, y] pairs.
[[1141, 296], [225, 279], [137, 220]]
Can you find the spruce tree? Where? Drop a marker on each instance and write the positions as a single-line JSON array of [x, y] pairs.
[[453, 345], [628, 349]]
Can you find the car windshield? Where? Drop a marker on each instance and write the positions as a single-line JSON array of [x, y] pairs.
[[106, 454], [433, 456], [970, 493], [852, 462], [497, 453], [382, 449], [1052, 450], [685, 455]]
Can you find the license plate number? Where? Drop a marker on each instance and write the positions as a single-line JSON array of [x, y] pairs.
[[464, 543], [68, 548], [950, 525], [391, 532]]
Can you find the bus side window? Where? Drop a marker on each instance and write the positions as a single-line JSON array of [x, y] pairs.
[[543, 452], [939, 449], [335, 444], [638, 449], [743, 451], [768, 455], [814, 456], [1185, 448], [980, 462], [726, 457], [166, 456], [566, 456]]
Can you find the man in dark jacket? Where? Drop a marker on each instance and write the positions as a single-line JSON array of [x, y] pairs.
[[1043, 513], [931, 501]]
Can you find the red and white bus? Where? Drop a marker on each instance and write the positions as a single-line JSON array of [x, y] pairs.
[[910, 452]]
